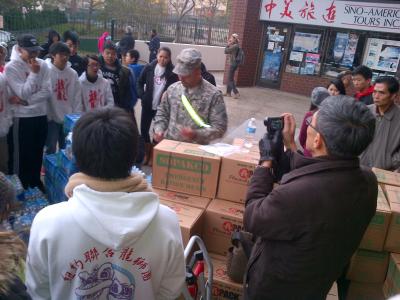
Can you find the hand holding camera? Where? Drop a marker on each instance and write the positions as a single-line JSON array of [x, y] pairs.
[[271, 145]]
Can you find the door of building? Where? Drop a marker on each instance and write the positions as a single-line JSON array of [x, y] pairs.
[[275, 44]]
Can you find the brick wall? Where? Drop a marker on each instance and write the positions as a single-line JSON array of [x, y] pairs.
[[245, 22], [301, 84]]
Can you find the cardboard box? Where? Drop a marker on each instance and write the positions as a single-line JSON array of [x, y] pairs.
[[185, 168], [235, 174], [392, 243], [223, 287], [221, 219], [387, 177], [365, 291], [368, 266], [194, 201], [190, 219], [391, 285], [375, 235]]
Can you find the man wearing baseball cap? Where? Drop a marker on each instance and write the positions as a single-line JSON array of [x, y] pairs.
[[28, 79], [191, 110]]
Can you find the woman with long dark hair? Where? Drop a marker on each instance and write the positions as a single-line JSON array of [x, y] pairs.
[[154, 80], [336, 87]]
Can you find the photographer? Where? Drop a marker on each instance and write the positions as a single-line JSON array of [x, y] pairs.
[[308, 228]]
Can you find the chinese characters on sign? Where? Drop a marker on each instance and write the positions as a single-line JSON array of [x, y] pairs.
[[334, 13]]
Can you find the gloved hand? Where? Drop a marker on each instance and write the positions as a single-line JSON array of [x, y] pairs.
[[271, 147]]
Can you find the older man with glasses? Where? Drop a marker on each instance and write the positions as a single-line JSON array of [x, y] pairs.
[[308, 228]]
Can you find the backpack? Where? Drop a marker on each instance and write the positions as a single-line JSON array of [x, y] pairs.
[[240, 56]]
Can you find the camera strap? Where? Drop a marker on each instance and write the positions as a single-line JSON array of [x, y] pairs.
[[192, 113]]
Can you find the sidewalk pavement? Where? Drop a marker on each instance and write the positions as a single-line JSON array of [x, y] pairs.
[[260, 102]]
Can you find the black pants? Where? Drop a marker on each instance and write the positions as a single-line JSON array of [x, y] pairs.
[[26, 141], [231, 86], [145, 123]]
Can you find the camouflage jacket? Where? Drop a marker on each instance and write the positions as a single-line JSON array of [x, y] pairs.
[[206, 100]]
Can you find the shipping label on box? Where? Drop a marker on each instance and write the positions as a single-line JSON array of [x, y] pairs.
[[185, 168], [223, 287], [235, 174], [392, 243], [375, 235], [221, 219], [387, 177], [368, 266], [365, 291], [190, 219], [186, 199]]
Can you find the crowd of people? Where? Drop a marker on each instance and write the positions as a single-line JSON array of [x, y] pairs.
[[113, 239]]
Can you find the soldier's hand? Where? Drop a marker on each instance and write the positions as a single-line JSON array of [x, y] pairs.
[[158, 136], [34, 65], [188, 133]]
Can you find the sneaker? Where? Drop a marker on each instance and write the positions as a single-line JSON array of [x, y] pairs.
[[236, 96], [227, 95]]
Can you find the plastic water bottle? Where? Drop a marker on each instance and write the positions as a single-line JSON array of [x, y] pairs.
[[250, 133]]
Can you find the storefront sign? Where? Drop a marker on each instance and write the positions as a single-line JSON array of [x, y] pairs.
[[333, 13]]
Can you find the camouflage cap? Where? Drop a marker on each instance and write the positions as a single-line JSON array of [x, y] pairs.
[[188, 60]]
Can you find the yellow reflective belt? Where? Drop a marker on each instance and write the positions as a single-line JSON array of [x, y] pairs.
[[193, 114]]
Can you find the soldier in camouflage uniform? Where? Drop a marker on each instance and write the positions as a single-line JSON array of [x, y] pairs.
[[174, 122]]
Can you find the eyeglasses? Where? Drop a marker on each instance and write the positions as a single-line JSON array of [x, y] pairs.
[[308, 123]]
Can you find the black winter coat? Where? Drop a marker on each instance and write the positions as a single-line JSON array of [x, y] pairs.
[[147, 78], [308, 228]]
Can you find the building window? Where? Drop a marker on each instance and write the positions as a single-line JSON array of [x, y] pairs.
[[382, 56], [343, 52], [305, 54]]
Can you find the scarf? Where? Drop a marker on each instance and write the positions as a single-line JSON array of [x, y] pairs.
[[133, 183], [366, 92]]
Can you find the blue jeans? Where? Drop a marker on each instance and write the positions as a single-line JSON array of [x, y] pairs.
[[55, 134], [231, 86]]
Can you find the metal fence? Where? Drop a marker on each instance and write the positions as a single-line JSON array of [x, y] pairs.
[[191, 30]]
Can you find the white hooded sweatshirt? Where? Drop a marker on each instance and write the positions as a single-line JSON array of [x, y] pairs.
[[97, 94], [112, 245], [5, 111], [28, 86], [66, 97]]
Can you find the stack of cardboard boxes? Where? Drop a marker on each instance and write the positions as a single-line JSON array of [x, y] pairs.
[[208, 193], [390, 183], [375, 267]]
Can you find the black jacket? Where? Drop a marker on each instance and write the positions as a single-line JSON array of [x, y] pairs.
[[123, 94], [126, 43], [147, 78], [308, 228]]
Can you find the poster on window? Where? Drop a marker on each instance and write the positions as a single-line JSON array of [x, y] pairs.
[[382, 55], [271, 66], [306, 42], [350, 51]]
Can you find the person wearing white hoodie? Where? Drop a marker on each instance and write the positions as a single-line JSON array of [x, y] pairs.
[[66, 97], [112, 239], [28, 79], [5, 123], [96, 90]]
